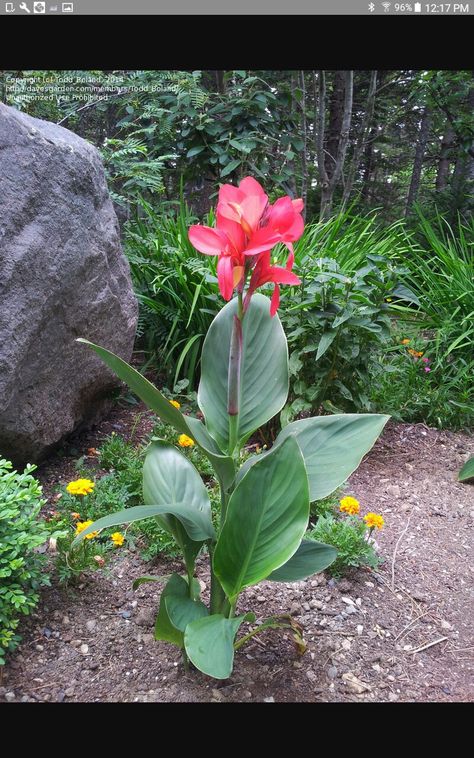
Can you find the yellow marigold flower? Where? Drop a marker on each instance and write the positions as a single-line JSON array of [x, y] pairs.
[[175, 403], [75, 515], [405, 342], [185, 441], [81, 525], [388, 299], [117, 538], [349, 505], [374, 520], [80, 487]]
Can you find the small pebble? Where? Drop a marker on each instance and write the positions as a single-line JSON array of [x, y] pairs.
[[261, 598], [268, 699], [84, 649]]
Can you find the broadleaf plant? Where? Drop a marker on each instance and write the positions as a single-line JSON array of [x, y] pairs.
[[244, 383]]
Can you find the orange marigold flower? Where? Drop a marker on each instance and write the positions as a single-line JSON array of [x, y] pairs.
[[405, 342], [349, 505], [75, 515], [185, 441], [374, 520]]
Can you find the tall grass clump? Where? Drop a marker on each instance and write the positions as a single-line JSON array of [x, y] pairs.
[[175, 290]]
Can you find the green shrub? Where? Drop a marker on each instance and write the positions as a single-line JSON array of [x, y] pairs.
[[337, 323], [349, 537], [21, 533]]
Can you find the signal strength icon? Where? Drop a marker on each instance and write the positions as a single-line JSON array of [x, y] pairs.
[[386, 7]]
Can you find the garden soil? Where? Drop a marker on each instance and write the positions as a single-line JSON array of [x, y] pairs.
[[402, 633]]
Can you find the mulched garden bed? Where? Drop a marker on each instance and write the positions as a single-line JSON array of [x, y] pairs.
[[402, 633]]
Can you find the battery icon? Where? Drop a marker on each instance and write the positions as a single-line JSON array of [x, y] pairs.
[[417, 7]]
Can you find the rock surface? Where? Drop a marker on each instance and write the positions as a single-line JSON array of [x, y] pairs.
[[63, 275]]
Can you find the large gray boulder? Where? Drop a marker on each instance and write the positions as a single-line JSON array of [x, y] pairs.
[[62, 275]]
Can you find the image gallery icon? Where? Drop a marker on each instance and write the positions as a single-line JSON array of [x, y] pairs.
[[39, 7], [68, 7]]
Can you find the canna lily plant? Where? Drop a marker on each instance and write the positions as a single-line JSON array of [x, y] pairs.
[[244, 382]]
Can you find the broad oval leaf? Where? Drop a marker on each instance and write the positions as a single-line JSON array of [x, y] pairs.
[[332, 447], [265, 521], [146, 391], [264, 370], [209, 643], [176, 598], [169, 477], [310, 558]]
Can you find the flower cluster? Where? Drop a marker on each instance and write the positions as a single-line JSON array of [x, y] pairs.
[[416, 354], [351, 506], [247, 228], [80, 487]]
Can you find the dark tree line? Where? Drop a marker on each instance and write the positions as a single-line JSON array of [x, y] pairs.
[[385, 139]]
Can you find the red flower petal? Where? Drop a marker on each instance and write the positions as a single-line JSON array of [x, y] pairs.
[[275, 301], [225, 276], [206, 240]]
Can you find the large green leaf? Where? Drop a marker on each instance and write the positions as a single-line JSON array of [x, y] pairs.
[[332, 447], [266, 518], [196, 523], [175, 605], [146, 391], [209, 643], [310, 558], [169, 477], [264, 370], [467, 471]]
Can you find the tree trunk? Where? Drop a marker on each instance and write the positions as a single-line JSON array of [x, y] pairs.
[[418, 160], [323, 177], [362, 138], [445, 158], [220, 82], [336, 114], [327, 193], [304, 160]]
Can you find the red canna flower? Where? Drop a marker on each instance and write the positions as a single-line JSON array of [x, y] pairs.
[[244, 204], [247, 228], [264, 272]]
